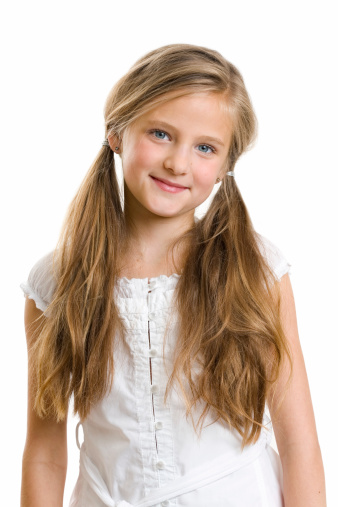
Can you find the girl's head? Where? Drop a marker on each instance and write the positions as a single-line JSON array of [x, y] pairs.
[[176, 70], [173, 154]]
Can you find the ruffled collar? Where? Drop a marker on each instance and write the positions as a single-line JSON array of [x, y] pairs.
[[130, 287]]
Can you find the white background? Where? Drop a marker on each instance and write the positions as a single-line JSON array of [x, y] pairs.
[[59, 61]]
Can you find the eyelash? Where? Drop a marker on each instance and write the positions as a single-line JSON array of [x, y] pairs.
[[154, 131]]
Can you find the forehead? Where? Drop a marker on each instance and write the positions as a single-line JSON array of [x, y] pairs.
[[201, 112]]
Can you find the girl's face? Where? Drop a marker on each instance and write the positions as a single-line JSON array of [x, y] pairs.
[[173, 154]]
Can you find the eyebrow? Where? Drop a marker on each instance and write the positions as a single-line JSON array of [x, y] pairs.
[[164, 125]]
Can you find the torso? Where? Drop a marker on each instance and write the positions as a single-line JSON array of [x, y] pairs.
[[136, 443]]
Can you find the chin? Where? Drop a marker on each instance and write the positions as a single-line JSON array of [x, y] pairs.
[[164, 212]]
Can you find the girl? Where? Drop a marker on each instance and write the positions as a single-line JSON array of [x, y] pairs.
[[172, 334]]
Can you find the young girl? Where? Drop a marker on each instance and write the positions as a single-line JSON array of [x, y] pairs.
[[171, 334]]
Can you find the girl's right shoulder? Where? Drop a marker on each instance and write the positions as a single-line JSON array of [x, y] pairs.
[[41, 282]]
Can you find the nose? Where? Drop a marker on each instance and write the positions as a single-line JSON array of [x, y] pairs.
[[178, 160]]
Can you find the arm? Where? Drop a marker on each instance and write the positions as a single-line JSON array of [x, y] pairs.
[[294, 422], [44, 462]]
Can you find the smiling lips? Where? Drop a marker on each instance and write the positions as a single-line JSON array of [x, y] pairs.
[[168, 186]]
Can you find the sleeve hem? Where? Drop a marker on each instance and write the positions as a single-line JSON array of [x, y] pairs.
[[39, 302], [283, 269]]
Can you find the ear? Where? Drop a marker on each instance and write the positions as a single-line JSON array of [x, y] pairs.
[[221, 173], [115, 143]]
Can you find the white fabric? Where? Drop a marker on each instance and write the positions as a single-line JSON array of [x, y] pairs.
[[139, 451]]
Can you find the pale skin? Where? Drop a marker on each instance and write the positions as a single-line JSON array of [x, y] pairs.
[[182, 142], [44, 463]]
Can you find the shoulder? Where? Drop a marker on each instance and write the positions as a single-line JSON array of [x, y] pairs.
[[273, 256], [41, 282]]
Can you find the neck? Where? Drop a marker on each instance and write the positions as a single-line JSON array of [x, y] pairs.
[[151, 246]]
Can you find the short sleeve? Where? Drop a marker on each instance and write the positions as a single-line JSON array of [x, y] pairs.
[[274, 257], [41, 283]]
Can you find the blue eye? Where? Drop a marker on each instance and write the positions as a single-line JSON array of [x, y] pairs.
[[159, 134], [205, 148]]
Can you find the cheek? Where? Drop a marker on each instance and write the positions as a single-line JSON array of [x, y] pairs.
[[139, 156], [205, 176]]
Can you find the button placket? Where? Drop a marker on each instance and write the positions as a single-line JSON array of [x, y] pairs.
[[163, 463], [153, 387], [146, 343]]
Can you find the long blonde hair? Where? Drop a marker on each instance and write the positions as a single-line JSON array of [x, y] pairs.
[[229, 321]]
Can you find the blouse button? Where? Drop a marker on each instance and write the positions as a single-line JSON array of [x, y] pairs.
[[154, 389], [152, 316], [165, 503], [160, 465], [152, 352], [158, 425]]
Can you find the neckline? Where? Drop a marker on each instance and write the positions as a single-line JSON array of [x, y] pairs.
[[160, 278]]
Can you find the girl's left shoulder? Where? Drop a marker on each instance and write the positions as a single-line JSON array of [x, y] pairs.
[[273, 255]]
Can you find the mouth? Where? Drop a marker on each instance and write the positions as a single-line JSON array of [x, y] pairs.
[[168, 186]]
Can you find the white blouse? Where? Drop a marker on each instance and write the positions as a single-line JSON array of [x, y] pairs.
[[137, 450]]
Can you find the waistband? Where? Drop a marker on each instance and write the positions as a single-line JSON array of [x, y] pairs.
[[202, 475]]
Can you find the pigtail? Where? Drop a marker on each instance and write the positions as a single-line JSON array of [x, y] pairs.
[[74, 351], [231, 344]]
